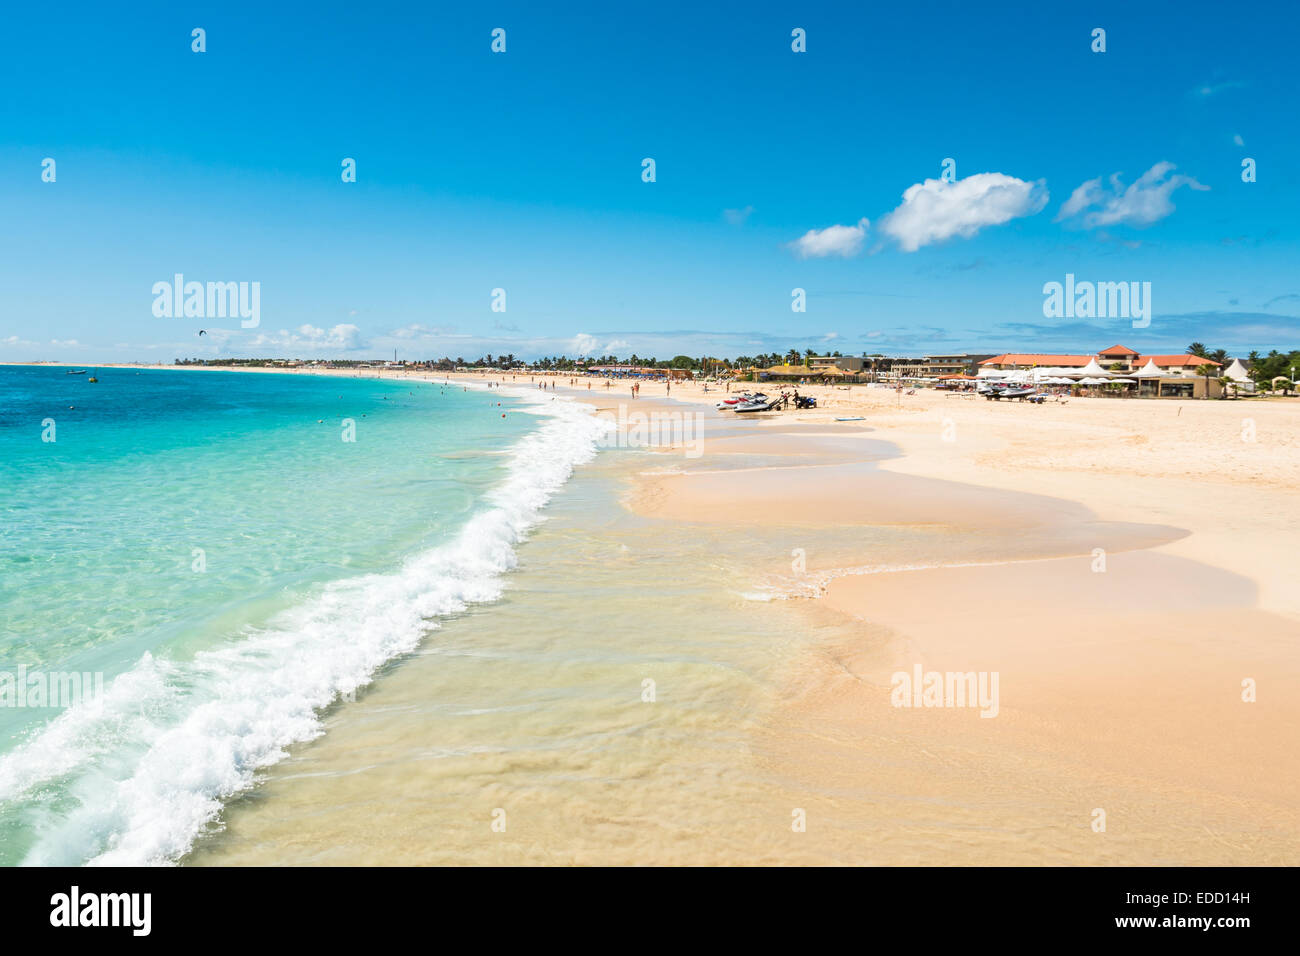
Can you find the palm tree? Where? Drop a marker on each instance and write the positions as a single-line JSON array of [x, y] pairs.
[[1206, 370], [1218, 355], [1198, 349]]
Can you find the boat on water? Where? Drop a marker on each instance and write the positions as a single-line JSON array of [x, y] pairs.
[[75, 371]]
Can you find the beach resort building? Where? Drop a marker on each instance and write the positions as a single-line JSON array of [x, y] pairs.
[[929, 367], [1117, 370], [636, 371], [1117, 358], [845, 363]]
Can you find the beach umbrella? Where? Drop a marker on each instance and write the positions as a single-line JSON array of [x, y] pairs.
[[1093, 370]]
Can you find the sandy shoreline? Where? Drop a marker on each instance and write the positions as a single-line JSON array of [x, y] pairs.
[[1121, 682]]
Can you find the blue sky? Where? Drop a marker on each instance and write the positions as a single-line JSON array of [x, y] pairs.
[[523, 171]]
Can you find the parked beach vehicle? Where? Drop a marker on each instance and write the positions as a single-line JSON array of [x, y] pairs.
[[760, 403], [747, 398], [729, 404]]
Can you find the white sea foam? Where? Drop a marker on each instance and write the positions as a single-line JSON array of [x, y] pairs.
[[814, 584], [150, 763]]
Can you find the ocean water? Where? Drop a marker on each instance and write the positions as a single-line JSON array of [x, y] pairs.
[[211, 547]]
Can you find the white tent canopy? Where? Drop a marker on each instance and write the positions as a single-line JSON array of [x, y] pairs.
[[1150, 370], [1093, 370], [1237, 372]]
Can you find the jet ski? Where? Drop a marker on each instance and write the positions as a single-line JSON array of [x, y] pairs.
[[731, 403], [760, 403], [745, 399]]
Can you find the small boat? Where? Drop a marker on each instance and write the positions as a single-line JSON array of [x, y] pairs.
[[1012, 391], [75, 371]]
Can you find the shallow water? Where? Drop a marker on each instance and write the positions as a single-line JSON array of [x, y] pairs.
[[211, 547]]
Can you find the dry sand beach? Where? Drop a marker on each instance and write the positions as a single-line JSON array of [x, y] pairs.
[[1121, 683], [1123, 568]]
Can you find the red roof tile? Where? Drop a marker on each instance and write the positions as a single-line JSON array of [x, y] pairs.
[[1192, 360], [1032, 358]]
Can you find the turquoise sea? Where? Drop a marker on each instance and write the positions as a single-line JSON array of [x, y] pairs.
[[213, 548]]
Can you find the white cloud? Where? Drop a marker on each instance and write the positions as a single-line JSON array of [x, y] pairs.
[[832, 241], [935, 210], [15, 340], [64, 343], [737, 217], [1084, 195], [1144, 202], [1236, 138], [339, 338], [1210, 89], [583, 344], [417, 331], [615, 346]]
